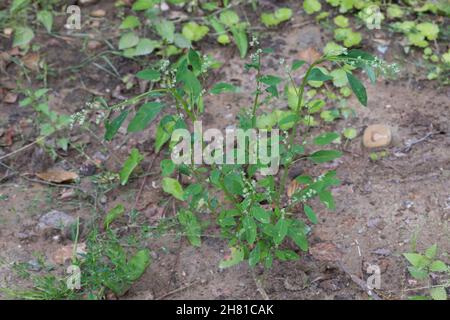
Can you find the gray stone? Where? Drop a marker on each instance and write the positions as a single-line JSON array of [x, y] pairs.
[[55, 220]]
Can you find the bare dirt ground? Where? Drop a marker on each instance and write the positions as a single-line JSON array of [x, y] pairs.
[[381, 205]]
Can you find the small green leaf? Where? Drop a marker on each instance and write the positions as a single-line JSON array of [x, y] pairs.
[[22, 36], [137, 265], [113, 127], [237, 256], [317, 74], [280, 231], [233, 184], [46, 18], [358, 89], [249, 226], [350, 133], [130, 22], [191, 227], [310, 214], [146, 114], [130, 164], [229, 18], [431, 252], [261, 214], [326, 138], [193, 31], [438, 266], [311, 6], [113, 214], [240, 38], [166, 29], [149, 75], [297, 64], [173, 187], [128, 40], [417, 260], [286, 255], [222, 87], [327, 198], [141, 5], [255, 256]]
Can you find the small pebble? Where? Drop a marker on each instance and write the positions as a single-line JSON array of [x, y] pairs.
[[376, 136]]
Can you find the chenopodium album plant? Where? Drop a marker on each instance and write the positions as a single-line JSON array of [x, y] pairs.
[[253, 213]]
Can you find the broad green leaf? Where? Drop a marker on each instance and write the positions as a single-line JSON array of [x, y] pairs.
[[311, 6], [236, 257], [280, 231], [341, 21], [417, 260], [339, 78], [299, 237], [193, 31], [146, 114], [249, 226], [310, 214], [181, 42], [350, 133], [438, 266], [326, 138], [327, 198], [149, 75], [144, 47], [130, 164], [137, 265], [240, 38], [428, 30], [286, 255], [317, 74], [130, 22], [261, 214], [255, 256], [113, 214], [140, 5], [297, 64], [22, 36], [191, 227], [419, 274], [46, 18], [358, 89], [438, 293], [283, 14], [431, 252], [233, 183], [166, 29], [195, 60], [128, 40], [16, 5], [173, 187], [113, 127], [322, 156]]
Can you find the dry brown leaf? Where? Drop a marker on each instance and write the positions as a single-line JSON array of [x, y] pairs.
[[57, 176], [31, 61], [325, 251], [65, 253], [10, 97], [309, 55], [293, 187]]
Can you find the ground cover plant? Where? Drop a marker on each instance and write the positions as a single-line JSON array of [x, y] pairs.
[[143, 75]]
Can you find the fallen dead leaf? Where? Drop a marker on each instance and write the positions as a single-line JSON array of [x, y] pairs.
[[57, 176], [309, 55], [65, 253], [293, 187], [325, 251], [31, 61], [10, 97]]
